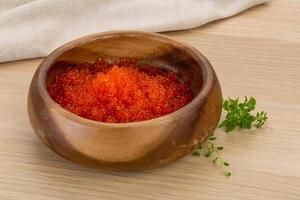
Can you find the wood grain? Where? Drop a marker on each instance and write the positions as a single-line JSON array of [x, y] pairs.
[[254, 53]]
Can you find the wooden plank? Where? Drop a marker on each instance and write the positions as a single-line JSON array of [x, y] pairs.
[[254, 53]]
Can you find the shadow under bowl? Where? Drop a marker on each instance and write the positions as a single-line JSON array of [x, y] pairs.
[[133, 145]]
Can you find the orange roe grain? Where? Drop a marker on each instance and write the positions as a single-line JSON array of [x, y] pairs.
[[120, 92]]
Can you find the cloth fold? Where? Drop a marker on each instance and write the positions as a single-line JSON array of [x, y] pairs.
[[34, 28]]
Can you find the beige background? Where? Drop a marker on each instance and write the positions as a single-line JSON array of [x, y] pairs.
[[254, 53]]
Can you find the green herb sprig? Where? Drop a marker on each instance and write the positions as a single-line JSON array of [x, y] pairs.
[[213, 151], [239, 114]]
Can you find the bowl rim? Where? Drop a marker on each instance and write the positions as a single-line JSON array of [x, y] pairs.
[[197, 101]]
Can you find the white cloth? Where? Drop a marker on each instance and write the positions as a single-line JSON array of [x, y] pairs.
[[33, 28]]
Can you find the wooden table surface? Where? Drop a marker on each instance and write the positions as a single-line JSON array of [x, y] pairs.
[[256, 53]]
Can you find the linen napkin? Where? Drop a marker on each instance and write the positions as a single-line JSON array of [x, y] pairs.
[[34, 28]]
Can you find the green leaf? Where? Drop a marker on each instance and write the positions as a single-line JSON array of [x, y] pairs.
[[220, 148], [211, 138], [260, 119], [196, 151], [251, 103], [225, 163], [227, 173], [225, 105], [208, 154], [229, 127], [246, 123]]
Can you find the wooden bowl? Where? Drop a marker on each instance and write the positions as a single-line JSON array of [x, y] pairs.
[[133, 145]]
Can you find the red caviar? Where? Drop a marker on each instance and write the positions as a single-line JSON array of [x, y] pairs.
[[120, 92]]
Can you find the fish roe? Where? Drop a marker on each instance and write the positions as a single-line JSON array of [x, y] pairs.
[[120, 92]]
